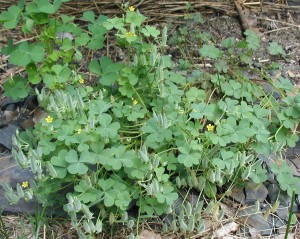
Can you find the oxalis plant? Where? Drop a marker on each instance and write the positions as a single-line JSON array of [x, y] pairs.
[[130, 145]]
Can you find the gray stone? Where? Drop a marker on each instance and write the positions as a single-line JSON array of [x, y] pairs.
[[255, 192], [283, 212], [273, 191], [237, 193], [6, 135], [12, 174], [255, 219], [280, 226], [284, 199]]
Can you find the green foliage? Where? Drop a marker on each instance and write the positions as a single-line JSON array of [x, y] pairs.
[[146, 131]]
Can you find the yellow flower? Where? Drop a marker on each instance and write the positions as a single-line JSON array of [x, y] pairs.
[[210, 127], [131, 8], [79, 131], [130, 34], [81, 80], [134, 102], [25, 184], [49, 119]]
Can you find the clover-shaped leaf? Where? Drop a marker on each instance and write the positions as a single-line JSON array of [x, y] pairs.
[[76, 165], [108, 129], [210, 51]]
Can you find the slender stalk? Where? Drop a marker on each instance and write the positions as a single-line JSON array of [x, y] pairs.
[[290, 216]]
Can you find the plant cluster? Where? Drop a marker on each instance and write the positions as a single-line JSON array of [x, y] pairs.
[[145, 131]]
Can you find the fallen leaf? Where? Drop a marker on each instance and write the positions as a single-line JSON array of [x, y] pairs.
[[226, 229]]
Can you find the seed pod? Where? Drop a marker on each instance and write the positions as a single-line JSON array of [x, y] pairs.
[[189, 181], [143, 60], [247, 172], [194, 178], [86, 212], [20, 191], [156, 188], [155, 161], [92, 226], [173, 226], [51, 170], [86, 226], [153, 55], [131, 236], [28, 195], [201, 226], [98, 226], [183, 182], [111, 218], [143, 156], [77, 205], [130, 224], [275, 206], [188, 209], [183, 225], [191, 223], [149, 189], [178, 182], [165, 228]]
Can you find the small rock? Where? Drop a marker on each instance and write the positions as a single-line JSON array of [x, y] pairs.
[[237, 193], [282, 236], [271, 178], [254, 193], [12, 174], [145, 234], [6, 135], [280, 226], [7, 116], [254, 233], [273, 191], [226, 229], [283, 212], [255, 219], [284, 199]]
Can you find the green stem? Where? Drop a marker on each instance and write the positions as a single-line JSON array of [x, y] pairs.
[[2, 229], [140, 98], [290, 216], [39, 222]]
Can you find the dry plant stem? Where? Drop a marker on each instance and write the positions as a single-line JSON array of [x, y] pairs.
[[282, 22], [242, 16]]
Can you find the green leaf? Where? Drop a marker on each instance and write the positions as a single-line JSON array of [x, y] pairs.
[[228, 42], [88, 16], [210, 51], [43, 6], [10, 18], [16, 85], [275, 49], [75, 165], [221, 66], [107, 129], [135, 18], [24, 54], [252, 39], [59, 163], [106, 69], [194, 95], [115, 22], [150, 31]]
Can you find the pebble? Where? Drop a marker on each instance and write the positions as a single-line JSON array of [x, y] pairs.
[[255, 192], [255, 219], [6, 134]]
